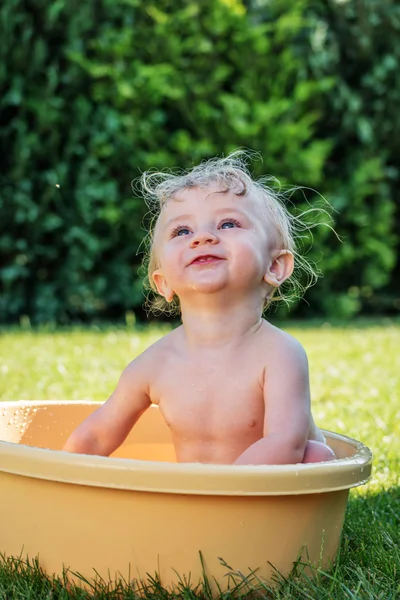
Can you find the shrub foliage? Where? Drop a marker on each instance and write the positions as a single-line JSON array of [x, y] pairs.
[[93, 93]]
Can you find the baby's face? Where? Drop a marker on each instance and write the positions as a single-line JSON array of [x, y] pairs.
[[207, 241]]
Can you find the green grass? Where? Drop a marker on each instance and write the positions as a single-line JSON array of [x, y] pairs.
[[355, 381]]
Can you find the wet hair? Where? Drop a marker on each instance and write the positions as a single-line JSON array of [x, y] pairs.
[[230, 174]]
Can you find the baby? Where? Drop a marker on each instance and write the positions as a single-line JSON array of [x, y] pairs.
[[232, 388]]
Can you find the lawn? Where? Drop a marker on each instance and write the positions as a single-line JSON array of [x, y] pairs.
[[355, 381]]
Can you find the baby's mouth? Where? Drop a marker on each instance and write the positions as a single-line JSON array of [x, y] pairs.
[[205, 259]]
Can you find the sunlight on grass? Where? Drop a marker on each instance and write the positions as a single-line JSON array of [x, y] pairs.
[[73, 365]]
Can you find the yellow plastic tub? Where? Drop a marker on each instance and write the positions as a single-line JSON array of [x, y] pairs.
[[141, 513]]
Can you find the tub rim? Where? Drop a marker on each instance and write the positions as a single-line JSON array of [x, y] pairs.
[[183, 478]]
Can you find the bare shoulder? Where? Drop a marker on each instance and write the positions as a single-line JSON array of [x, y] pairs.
[[154, 357], [282, 348], [165, 346]]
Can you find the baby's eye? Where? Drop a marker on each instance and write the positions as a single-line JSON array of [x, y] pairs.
[[180, 231], [229, 224]]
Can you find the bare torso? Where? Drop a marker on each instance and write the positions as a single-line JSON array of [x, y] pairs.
[[214, 402]]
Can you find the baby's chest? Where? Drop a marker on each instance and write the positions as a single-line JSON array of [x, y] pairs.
[[211, 402]]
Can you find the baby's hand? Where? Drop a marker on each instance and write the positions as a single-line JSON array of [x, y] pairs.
[[317, 452]]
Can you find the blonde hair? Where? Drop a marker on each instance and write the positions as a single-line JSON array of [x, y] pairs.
[[231, 174]]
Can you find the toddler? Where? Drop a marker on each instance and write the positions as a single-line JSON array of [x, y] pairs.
[[232, 388]]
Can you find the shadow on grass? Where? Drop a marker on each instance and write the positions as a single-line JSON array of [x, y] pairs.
[[371, 535]]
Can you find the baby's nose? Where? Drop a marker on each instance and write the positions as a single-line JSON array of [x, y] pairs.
[[204, 237]]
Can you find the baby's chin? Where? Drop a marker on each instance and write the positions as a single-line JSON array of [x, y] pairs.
[[225, 289], [204, 286], [208, 287]]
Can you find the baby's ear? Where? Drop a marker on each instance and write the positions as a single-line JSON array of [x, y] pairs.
[[281, 267], [162, 285]]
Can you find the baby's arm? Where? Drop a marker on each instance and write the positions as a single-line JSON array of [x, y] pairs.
[[105, 429], [287, 407]]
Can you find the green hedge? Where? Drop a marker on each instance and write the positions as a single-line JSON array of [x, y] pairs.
[[358, 44], [93, 93]]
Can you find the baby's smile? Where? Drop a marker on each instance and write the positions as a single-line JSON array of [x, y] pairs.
[[206, 259]]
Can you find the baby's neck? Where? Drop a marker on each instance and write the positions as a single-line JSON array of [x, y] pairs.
[[208, 329]]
